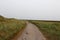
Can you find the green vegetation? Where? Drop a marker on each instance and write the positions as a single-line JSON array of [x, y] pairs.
[[50, 29], [10, 27]]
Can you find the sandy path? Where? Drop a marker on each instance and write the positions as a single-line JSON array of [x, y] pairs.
[[31, 33]]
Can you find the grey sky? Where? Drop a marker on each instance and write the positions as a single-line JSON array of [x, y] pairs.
[[31, 9]]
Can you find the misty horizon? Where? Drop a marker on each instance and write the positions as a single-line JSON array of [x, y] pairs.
[[30, 9]]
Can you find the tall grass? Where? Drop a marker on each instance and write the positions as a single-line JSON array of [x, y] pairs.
[[9, 27], [51, 30]]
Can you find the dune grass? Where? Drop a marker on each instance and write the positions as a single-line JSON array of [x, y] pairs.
[[50, 29], [10, 27]]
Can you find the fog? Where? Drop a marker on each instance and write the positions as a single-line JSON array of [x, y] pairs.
[[31, 9]]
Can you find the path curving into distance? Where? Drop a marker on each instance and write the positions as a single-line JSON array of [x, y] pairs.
[[31, 33]]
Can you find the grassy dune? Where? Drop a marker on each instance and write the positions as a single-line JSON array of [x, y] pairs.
[[10, 27], [51, 30]]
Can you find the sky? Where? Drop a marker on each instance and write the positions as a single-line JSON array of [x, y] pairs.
[[31, 9]]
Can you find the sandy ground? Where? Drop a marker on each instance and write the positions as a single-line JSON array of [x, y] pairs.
[[31, 33]]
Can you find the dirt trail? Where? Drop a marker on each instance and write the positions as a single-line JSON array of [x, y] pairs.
[[31, 33]]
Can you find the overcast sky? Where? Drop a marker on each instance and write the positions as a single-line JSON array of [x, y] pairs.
[[31, 9]]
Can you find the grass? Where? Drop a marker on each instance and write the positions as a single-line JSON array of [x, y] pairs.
[[50, 29], [10, 27]]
